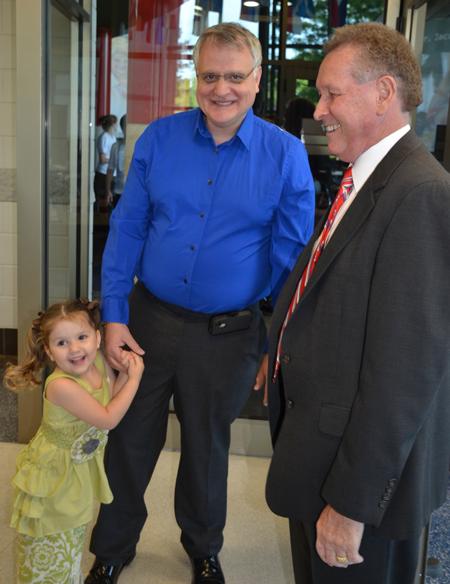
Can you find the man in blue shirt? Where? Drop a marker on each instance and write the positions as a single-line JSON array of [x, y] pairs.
[[217, 206]]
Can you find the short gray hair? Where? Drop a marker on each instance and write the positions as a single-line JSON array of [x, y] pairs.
[[233, 34], [382, 51]]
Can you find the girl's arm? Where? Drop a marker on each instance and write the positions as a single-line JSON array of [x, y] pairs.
[[67, 394], [121, 379]]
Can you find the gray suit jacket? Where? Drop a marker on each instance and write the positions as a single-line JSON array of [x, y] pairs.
[[361, 416]]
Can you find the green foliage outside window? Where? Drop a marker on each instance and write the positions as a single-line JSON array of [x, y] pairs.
[[315, 31]]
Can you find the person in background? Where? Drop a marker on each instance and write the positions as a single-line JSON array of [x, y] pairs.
[[359, 391], [115, 175], [217, 205], [60, 473], [297, 109], [105, 142]]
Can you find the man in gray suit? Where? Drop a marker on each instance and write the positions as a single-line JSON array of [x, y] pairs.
[[359, 400]]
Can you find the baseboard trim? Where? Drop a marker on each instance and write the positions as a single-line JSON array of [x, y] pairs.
[[248, 437]]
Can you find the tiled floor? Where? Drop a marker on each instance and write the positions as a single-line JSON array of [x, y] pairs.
[[439, 543], [256, 547]]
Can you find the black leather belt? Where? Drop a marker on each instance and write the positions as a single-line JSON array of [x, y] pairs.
[[211, 318]]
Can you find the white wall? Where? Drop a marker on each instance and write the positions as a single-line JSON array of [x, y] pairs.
[[8, 206]]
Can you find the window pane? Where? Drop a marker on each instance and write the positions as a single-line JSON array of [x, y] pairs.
[[310, 23], [432, 114]]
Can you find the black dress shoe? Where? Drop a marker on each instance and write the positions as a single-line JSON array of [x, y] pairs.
[[102, 573], [207, 571]]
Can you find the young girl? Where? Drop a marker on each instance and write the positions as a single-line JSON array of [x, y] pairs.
[[60, 472]]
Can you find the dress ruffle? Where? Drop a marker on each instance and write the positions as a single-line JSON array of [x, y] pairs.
[[49, 486], [42, 468]]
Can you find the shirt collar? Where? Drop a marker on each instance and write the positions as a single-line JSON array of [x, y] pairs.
[[244, 133], [200, 125], [366, 163]]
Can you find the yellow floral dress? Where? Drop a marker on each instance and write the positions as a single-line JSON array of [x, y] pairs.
[[59, 475]]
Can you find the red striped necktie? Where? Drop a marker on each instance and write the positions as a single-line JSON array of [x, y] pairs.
[[345, 189]]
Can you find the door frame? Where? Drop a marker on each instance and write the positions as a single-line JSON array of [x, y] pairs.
[[32, 33]]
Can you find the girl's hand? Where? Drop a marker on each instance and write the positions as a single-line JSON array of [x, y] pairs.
[[135, 365]]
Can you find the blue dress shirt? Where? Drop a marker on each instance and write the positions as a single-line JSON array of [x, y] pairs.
[[209, 228]]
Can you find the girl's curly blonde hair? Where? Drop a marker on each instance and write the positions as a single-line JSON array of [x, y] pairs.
[[28, 373]]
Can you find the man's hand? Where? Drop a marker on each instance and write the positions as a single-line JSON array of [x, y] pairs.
[[116, 336], [338, 539], [261, 378]]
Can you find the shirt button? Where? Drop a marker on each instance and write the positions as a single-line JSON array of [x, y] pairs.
[[286, 358], [210, 181], [201, 215], [290, 403], [185, 280], [192, 247]]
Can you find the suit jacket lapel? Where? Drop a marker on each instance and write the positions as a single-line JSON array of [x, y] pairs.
[[355, 216], [362, 206], [348, 226], [284, 299]]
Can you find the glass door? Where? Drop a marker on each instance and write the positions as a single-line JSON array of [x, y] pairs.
[[63, 192]]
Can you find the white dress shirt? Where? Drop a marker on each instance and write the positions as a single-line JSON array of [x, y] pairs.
[[363, 167]]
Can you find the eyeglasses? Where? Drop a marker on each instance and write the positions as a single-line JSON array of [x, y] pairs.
[[234, 78]]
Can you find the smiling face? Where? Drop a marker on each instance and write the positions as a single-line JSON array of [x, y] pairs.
[[225, 103], [348, 109], [73, 344]]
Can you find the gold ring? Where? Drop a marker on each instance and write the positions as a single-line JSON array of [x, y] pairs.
[[342, 559]]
